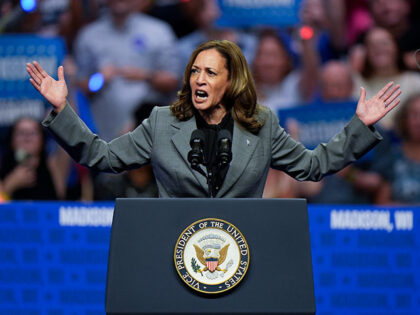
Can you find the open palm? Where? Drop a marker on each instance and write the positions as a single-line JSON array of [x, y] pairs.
[[372, 110], [54, 91]]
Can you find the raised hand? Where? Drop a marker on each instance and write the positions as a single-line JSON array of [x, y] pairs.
[[54, 91], [372, 110]]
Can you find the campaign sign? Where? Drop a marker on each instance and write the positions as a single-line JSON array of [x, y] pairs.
[[246, 13], [318, 123], [17, 96]]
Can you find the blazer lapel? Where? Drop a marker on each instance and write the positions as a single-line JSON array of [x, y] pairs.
[[243, 147], [181, 140]]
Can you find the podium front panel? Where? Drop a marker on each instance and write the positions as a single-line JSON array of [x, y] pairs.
[[142, 277]]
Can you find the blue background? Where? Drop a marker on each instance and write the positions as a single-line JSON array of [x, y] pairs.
[[48, 268], [29, 48], [240, 13]]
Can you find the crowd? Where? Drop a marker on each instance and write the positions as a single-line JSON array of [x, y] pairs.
[[140, 48]]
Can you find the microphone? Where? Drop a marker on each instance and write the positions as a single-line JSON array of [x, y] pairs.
[[224, 147], [195, 156]]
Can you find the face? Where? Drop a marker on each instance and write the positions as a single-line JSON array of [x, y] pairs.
[[271, 62], [27, 136], [336, 82], [381, 49], [413, 120], [208, 13], [209, 80], [388, 13]]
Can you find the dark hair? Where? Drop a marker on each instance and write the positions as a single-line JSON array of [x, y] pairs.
[[270, 33], [9, 162], [367, 71], [240, 97], [402, 115]]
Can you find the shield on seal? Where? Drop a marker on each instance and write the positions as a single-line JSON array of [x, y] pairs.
[[212, 263]]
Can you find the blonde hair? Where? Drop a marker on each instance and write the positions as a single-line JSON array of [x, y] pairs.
[[240, 97]]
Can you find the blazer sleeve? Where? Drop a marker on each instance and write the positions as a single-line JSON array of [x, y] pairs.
[[129, 151], [350, 144]]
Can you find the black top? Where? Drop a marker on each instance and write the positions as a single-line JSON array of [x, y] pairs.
[[210, 150], [43, 189]]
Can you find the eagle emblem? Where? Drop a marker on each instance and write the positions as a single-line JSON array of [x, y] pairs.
[[211, 258], [211, 253]]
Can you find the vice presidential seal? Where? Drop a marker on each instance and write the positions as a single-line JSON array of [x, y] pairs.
[[211, 256]]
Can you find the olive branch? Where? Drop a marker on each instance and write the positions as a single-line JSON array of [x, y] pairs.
[[194, 265]]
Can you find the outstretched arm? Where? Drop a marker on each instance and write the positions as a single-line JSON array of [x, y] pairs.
[[347, 146], [128, 151], [54, 91], [372, 110]]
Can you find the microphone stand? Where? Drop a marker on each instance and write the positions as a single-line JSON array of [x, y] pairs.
[[195, 165], [210, 182], [196, 156]]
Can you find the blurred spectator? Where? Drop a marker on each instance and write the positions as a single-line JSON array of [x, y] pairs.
[[399, 19], [401, 166], [179, 14], [383, 63], [336, 82], [26, 171], [392, 15], [327, 19], [137, 183], [410, 43], [358, 19], [204, 13], [136, 55], [278, 84], [15, 20], [50, 18]]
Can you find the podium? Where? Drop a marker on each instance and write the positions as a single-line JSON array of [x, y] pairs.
[[142, 277]]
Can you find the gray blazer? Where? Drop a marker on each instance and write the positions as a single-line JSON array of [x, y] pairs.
[[163, 141]]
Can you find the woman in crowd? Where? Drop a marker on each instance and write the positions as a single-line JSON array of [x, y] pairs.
[[25, 171], [383, 63], [217, 93], [278, 85]]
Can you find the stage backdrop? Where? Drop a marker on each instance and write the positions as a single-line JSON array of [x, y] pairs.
[[53, 258]]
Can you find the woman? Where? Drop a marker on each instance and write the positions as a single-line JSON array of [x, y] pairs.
[[277, 85], [401, 167], [26, 173], [217, 90], [383, 63]]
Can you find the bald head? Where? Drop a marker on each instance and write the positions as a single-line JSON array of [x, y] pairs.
[[336, 81]]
